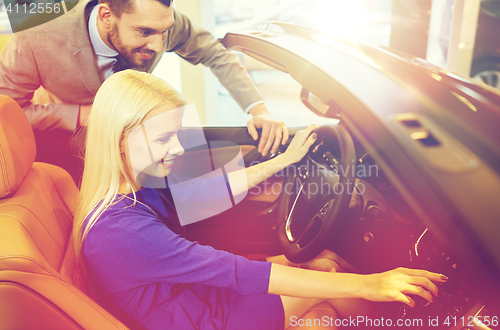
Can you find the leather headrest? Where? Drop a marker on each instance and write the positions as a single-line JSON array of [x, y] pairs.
[[17, 145]]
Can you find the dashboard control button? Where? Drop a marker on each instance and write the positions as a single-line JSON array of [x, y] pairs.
[[373, 211], [467, 301], [368, 237]]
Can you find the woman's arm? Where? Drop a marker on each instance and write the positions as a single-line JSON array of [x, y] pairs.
[[394, 285], [242, 180]]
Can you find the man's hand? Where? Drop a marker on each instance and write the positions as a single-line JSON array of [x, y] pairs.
[[273, 130], [84, 114]]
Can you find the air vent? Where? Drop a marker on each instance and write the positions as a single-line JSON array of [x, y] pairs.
[[426, 138], [430, 142], [411, 123]]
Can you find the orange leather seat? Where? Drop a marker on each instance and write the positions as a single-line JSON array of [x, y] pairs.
[[39, 287], [38, 284]]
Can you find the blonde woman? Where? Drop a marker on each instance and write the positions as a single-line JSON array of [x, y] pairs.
[[153, 278]]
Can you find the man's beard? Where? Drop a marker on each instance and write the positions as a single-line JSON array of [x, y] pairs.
[[114, 39]]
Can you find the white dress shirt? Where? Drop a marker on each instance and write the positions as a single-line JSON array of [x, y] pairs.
[[106, 56]]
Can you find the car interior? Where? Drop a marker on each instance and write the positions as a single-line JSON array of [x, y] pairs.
[[430, 202], [414, 194], [39, 285]]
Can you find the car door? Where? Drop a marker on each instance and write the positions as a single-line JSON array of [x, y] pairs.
[[248, 226]]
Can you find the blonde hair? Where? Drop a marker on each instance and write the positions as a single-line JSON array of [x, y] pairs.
[[121, 105]]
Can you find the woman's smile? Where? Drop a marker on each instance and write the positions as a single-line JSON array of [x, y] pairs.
[[167, 162]]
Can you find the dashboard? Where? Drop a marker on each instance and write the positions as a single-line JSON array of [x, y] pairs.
[[383, 232], [457, 306]]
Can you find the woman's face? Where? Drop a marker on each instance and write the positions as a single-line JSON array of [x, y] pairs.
[[153, 146]]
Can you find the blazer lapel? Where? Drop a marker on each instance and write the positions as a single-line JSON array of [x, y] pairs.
[[84, 61], [83, 52]]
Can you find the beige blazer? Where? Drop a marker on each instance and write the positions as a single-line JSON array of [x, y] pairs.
[[58, 56]]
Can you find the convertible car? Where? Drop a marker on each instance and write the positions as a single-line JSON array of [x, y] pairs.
[[410, 176]]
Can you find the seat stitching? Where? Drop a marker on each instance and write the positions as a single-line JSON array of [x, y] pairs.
[[12, 217], [57, 191], [65, 261], [61, 222], [5, 173], [35, 261], [68, 212], [70, 287], [51, 304]]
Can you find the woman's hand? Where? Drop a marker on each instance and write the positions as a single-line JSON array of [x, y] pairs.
[[396, 284], [300, 144], [258, 173]]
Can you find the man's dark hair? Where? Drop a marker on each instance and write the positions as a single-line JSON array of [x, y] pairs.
[[118, 7]]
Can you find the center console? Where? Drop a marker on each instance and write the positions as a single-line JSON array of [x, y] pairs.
[[455, 307]]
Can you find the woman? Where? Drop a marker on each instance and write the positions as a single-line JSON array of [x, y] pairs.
[[144, 272]]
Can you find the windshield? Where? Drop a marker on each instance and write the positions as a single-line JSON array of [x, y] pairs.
[[281, 94], [369, 21]]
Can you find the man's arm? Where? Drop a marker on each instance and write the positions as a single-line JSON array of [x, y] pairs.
[[19, 79], [197, 45]]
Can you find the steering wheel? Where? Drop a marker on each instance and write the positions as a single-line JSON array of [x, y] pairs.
[[314, 198]]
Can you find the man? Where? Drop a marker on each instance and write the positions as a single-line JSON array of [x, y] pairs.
[[54, 70]]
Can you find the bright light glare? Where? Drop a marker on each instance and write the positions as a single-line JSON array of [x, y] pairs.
[[337, 17]]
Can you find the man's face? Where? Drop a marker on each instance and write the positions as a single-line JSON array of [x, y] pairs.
[[140, 34]]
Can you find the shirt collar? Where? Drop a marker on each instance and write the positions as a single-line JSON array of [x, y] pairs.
[[100, 48]]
